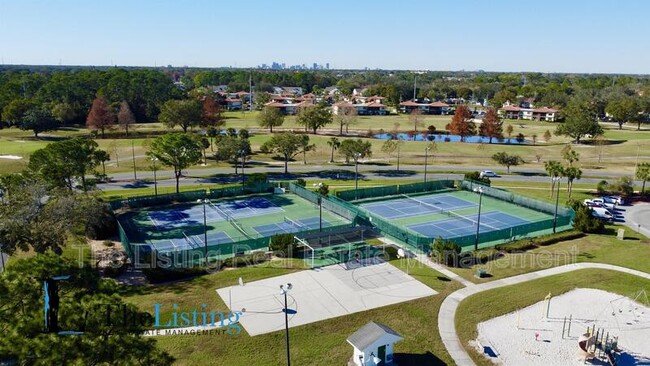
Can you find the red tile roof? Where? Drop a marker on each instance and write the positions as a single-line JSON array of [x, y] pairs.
[[375, 105], [439, 104], [409, 103], [545, 110], [276, 104], [511, 108]]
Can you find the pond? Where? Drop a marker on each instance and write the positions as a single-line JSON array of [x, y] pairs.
[[448, 138]]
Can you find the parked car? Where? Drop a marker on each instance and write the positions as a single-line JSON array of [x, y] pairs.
[[602, 214], [588, 203], [614, 199], [605, 204], [488, 174]]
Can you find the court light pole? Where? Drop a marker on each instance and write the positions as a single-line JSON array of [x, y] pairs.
[[320, 213], [155, 180], [478, 190], [426, 158], [242, 153], [135, 174], [356, 175], [284, 290], [557, 201], [205, 231]]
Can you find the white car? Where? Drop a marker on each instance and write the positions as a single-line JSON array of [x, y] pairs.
[[488, 174], [602, 214], [614, 199], [602, 202]]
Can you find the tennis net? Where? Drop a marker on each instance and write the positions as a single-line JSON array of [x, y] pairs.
[[293, 223], [422, 203], [220, 211], [238, 226], [191, 241]]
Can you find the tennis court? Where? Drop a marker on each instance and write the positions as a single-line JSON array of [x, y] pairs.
[[452, 228], [410, 206], [290, 226], [179, 227], [454, 215]]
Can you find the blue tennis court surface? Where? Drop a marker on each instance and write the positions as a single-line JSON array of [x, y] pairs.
[[256, 206], [455, 227], [289, 226], [416, 206]]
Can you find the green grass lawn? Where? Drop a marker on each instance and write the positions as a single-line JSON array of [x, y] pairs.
[[619, 155], [323, 341], [599, 248], [490, 304]]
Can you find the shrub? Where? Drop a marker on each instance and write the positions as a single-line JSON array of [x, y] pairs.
[[283, 245], [245, 260], [602, 187], [476, 177], [324, 189], [156, 275], [446, 251], [624, 186], [520, 138], [301, 182], [585, 222]]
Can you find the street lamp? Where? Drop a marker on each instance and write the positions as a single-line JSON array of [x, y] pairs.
[[284, 289], [478, 190], [242, 153], [155, 180], [356, 175], [135, 174], [557, 199], [205, 229], [426, 158]]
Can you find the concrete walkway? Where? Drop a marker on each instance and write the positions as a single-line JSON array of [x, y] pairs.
[[447, 313], [424, 259]]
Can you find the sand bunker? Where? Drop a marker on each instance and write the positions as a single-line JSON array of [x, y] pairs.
[[528, 337]]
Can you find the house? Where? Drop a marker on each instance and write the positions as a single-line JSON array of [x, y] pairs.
[[286, 108], [373, 345], [287, 90], [546, 114], [339, 108], [332, 90], [409, 106], [233, 104], [244, 96], [373, 108], [439, 108], [424, 106]]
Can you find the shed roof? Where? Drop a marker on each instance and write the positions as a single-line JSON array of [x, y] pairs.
[[370, 333]]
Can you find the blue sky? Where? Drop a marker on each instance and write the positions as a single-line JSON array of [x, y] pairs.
[[507, 35]]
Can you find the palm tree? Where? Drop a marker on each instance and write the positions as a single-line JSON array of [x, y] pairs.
[[334, 143], [554, 169]]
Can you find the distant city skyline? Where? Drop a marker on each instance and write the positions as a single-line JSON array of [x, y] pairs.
[[597, 36]]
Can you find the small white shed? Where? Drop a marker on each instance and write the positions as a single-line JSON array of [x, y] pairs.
[[373, 345]]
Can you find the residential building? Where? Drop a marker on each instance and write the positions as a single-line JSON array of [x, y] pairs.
[[425, 107], [546, 114]]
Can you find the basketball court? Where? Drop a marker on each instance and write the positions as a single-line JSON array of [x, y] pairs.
[[320, 294]]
